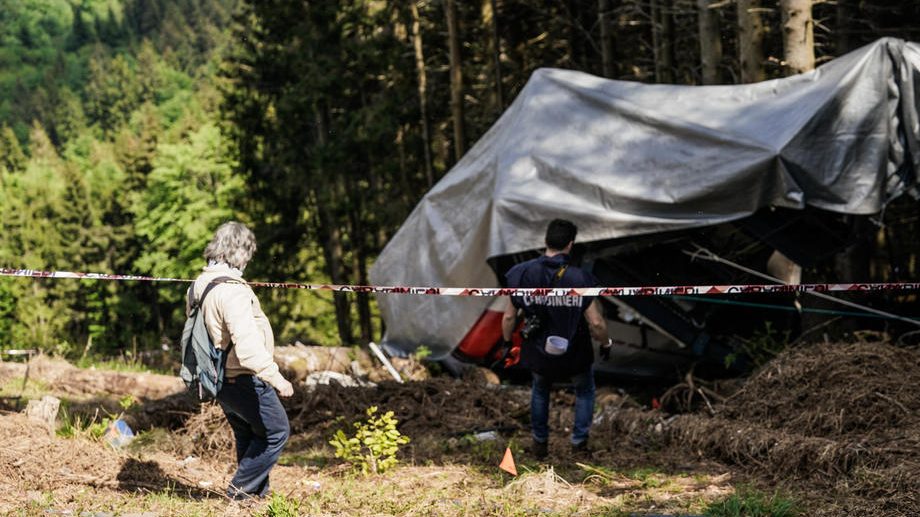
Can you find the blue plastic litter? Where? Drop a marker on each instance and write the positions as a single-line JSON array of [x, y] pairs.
[[119, 434]]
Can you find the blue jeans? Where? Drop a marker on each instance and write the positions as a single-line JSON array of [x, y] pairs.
[[260, 427], [584, 406]]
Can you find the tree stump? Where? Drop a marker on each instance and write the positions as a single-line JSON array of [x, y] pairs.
[[44, 410]]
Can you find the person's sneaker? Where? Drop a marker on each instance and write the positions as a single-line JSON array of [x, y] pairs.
[[540, 450], [581, 448]]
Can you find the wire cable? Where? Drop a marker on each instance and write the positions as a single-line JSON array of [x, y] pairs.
[[706, 254]]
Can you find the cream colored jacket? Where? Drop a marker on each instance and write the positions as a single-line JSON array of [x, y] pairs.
[[232, 313]]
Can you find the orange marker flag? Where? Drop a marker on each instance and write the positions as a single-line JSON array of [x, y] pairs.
[[507, 463]]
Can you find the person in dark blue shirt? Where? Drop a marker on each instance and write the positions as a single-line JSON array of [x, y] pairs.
[[575, 319]]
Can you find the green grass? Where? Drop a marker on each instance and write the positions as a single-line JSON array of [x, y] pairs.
[[311, 458], [89, 502], [34, 389], [281, 506], [649, 477], [74, 425], [750, 502]]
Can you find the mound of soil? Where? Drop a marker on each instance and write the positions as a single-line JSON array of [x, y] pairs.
[[436, 408], [842, 417], [833, 391], [441, 406]]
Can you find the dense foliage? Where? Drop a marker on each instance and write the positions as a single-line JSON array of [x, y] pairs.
[[111, 161], [130, 128]]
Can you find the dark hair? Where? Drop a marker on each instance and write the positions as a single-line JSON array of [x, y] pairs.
[[560, 233]]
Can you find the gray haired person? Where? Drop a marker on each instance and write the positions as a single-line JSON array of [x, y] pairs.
[[249, 396]]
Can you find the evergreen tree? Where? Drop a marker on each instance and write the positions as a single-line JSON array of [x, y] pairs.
[[336, 128], [11, 155], [190, 191], [41, 149], [112, 92], [317, 136], [111, 31], [136, 147], [67, 116], [148, 65], [149, 16], [68, 206], [32, 201], [80, 32]]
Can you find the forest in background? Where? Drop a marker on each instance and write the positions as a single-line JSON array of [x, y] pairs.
[[129, 129]]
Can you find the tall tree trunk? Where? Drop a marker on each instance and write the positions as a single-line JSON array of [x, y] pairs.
[[655, 17], [359, 264], [662, 37], [330, 237], [798, 57], [364, 301], [798, 36], [852, 264], [490, 17], [750, 41], [403, 178], [422, 90], [456, 78], [844, 22], [710, 41], [608, 65], [577, 51]]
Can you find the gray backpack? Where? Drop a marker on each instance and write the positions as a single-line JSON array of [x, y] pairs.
[[202, 362]]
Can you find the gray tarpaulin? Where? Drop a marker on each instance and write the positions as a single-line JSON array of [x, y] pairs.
[[623, 158]]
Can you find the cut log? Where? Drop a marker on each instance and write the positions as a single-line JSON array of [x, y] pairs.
[[59, 375], [298, 361]]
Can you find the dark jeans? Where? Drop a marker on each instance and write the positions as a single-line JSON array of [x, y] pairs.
[[584, 406], [261, 429]]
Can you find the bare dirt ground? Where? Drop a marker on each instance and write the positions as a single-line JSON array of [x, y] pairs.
[[833, 427]]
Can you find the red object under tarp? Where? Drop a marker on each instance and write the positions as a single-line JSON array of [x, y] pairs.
[[481, 339], [482, 344]]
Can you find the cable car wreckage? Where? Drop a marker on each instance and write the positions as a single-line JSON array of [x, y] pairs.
[[676, 185]]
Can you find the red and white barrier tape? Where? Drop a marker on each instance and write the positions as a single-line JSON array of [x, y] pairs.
[[698, 290]]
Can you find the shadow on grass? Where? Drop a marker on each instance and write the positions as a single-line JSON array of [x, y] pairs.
[[147, 475]]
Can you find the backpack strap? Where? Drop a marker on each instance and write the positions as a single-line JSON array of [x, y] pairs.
[[195, 305], [557, 276]]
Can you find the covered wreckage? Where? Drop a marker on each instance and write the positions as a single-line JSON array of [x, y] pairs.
[[647, 171]]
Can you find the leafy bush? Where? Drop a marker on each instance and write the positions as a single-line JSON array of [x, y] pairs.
[[374, 445]]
